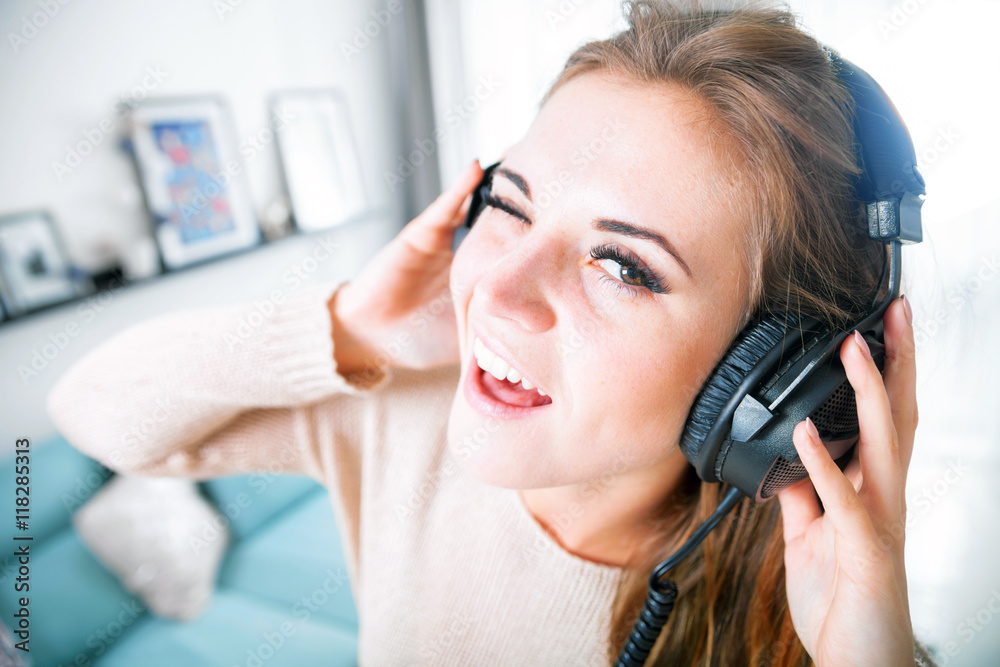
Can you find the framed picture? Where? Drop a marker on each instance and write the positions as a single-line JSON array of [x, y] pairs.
[[321, 164], [192, 180], [34, 267]]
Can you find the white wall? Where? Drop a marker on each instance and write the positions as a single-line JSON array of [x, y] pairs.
[[65, 79]]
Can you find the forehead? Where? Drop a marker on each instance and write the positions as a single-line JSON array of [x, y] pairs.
[[653, 153]]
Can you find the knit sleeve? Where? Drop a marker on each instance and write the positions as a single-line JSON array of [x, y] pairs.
[[206, 392]]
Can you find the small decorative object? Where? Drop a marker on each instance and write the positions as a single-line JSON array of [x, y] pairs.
[[35, 270], [319, 157], [160, 537], [276, 220], [139, 259], [192, 179]]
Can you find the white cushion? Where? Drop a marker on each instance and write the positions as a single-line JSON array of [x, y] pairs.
[[161, 538]]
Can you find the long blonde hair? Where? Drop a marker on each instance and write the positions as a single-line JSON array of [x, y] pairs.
[[777, 99]]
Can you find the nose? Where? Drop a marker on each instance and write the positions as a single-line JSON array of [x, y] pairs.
[[520, 284]]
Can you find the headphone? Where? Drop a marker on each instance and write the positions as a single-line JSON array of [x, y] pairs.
[[784, 367]]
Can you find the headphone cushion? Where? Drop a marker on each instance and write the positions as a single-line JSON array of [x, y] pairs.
[[755, 341]]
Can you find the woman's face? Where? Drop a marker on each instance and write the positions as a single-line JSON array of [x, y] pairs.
[[615, 286]]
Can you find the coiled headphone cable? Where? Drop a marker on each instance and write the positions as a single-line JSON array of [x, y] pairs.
[[663, 592]]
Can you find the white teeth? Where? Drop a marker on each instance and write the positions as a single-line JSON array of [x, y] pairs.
[[483, 356], [499, 368]]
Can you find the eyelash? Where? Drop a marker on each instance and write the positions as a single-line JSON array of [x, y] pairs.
[[650, 280]]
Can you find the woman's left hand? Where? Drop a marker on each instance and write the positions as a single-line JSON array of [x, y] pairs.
[[845, 578]]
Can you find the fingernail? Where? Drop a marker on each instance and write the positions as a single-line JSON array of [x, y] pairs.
[[908, 309], [813, 432], [862, 344]]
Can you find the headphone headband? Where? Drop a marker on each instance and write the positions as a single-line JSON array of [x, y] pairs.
[[889, 185]]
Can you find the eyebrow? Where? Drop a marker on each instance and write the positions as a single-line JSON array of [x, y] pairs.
[[608, 225], [628, 229], [516, 179]]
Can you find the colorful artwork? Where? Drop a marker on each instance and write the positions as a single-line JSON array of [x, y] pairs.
[[200, 207]]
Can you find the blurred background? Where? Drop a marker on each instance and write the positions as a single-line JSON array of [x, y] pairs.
[[274, 131]]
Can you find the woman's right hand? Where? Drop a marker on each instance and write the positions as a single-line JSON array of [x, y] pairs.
[[398, 310]]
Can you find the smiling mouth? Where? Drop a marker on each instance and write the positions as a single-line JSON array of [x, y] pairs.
[[509, 392], [501, 399]]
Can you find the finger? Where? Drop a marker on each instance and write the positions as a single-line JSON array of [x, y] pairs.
[[431, 232], [464, 210], [853, 470], [841, 502], [878, 443], [443, 211], [799, 508], [900, 377]]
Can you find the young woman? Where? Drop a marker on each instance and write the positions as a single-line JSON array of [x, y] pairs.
[[499, 428]]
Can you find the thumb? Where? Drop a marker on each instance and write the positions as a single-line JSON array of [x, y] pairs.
[[444, 210], [431, 231]]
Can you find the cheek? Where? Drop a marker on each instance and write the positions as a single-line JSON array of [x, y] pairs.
[[462, 276], [468, 265], [641, 389], [478, 252]]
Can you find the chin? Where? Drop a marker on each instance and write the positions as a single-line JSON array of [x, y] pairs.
[[478, 446], [489, 451]]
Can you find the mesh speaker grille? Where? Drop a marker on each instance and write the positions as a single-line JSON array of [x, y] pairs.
[[837, 417], [782, 474]]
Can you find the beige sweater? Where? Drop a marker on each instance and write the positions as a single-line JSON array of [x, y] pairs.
[[445, 570]]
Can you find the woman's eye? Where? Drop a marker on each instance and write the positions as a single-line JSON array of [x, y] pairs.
[[627, 274], [494, 202], [628, 271]]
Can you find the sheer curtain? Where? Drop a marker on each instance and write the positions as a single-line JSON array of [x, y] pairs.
[[937, 62]]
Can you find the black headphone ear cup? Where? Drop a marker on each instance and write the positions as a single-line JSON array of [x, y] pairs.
[[750, 346], [476, 206], [479, 194]]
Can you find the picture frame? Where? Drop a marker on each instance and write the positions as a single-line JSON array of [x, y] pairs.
[[319, 156], [35, 270], [192, 179]]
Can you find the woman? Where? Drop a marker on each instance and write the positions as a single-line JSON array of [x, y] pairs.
[[511, 516]]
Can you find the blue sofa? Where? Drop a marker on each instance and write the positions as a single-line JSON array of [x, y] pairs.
[[281, 596]]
